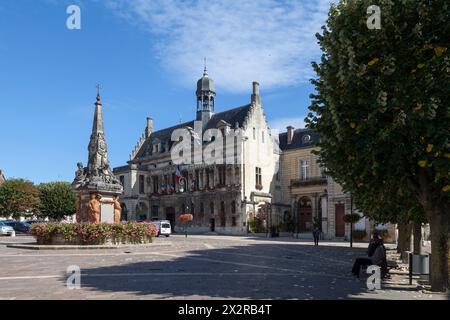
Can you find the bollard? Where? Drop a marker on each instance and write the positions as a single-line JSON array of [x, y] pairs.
[[410, 258]]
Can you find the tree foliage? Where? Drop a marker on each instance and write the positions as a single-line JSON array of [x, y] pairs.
[[17, 197], [57, 200], [382, 108]]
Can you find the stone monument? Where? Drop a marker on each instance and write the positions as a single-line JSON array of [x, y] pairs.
[[96, 186]]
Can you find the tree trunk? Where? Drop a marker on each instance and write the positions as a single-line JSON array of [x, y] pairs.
[[437, 213], [404, 237], [440, 244], [417, 234]]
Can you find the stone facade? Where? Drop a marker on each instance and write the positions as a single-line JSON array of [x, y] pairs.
[[312, 196], [221, 196]]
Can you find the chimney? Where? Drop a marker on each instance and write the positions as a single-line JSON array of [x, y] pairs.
[[149, 129], [290, 134], [255, 95]]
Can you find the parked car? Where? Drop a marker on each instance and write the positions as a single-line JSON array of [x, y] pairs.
[[6, 230], [164, 227], [19, 226], [36, 221]]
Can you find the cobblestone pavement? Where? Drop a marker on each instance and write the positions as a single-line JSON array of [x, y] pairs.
[[197, 267]]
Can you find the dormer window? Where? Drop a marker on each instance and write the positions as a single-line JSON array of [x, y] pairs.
[[156, 147], [306, 138], [224, 127]]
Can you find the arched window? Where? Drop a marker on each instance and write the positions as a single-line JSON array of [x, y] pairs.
[[202, 210], [222, 214], [233, 207]]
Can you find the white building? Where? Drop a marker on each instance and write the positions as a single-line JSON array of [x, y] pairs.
[[222, 197]]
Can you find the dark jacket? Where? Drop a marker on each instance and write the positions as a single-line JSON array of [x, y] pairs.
[[379, 256], [372, 247]]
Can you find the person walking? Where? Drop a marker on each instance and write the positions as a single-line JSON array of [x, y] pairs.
[[316, 235]]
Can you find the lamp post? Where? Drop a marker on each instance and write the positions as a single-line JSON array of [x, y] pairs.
[[244, 139], [351, 222]]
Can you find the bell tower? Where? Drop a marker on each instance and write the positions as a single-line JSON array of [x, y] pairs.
[[206, 97]]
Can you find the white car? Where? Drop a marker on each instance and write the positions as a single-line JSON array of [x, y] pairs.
[[164, 227], [6, 230]]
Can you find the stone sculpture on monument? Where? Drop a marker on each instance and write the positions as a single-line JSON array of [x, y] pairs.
[[96, 186]]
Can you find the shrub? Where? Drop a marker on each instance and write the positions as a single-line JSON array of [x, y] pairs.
[[89, 233], [359, 234]]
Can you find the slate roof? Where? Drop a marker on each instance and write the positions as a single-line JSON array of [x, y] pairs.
[[298, 140], [231, 116]]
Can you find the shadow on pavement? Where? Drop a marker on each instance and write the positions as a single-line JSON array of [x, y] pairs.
[[254, 271]]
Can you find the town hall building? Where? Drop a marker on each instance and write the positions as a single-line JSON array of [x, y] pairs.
[[266, 183], [222, 196]]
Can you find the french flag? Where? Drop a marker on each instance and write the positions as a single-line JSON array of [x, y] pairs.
[[178, 176]]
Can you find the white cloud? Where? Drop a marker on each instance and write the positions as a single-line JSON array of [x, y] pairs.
[[281, 124], [270, 41]]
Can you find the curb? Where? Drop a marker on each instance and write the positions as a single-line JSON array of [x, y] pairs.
[[85, 247]]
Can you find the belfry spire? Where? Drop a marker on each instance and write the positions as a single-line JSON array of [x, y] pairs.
[[205, 70], [206, 96]]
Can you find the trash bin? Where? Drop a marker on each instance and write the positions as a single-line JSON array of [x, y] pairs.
[[420, 264]]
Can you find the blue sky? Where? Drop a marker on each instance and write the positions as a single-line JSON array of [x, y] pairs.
[[148, 55]]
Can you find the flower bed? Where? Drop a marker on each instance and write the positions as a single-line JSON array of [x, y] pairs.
[[359, 234], [93, 234]]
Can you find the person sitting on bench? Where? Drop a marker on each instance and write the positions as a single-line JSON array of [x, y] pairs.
[[378, 258], [372, 244]]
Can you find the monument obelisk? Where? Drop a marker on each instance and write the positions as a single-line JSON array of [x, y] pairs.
[[96, 186]]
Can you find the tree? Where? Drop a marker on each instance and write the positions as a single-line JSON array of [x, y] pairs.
[[17, 197], [382, 108], [393, 205], [57, 200]]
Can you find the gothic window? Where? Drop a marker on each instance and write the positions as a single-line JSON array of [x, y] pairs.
[[202, 210], [197, 179], [233, 207], [222, 174], [304, 169], [141, 184], [222, 214], [122, 180], [211, 208], [155, 211], [155, 181], [207, 179], [258, 176]]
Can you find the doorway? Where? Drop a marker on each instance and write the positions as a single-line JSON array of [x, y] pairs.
[[339, 219], [305, 215], [212, 224], [170, 215]]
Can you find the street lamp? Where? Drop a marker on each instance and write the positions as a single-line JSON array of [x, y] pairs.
[[244, 139], [351, 222]]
